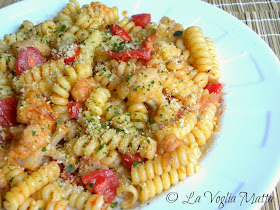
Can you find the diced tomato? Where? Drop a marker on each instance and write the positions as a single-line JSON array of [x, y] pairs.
[[117, 30], [28, 58], [143, 52], [103, 182], [141, 19], [8, 111], [128, 160], [74, 109], [72, 59], [214, 88], [126, 54]]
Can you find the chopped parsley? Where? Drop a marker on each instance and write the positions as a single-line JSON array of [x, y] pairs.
[[70, 168], [33, 133], [100, 148], [135, 163], [90, 185], [59, 121], [11, 180], [38, 95], [44, 149], [198, 118], [178, 33], [114, 204], [62, 29]]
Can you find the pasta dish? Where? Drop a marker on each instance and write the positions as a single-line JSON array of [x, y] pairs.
[[95, 107]]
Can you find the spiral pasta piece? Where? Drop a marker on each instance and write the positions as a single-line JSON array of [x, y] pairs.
[[166, 112], [199, 78], [97, 100], [72, 9], [80, 34], [129, 25], [158, 184], [183, 89], [32, 204], [111, 110], [5, 89], [138, 115], [50, 192], [181, 128], [102, 14], [30, 184], [204, 128], [215, 72], [78, 198], [10, 39], [111, 159], [100, 140], [42, 77], [7, 62], [123, 123], [13, 174], [105, 77], [195, 42], [182, 156], [88, 48], [128, 191], [62, 89]]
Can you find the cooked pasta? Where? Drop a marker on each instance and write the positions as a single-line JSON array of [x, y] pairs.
[[13, 174], [30, 184], [128, 191], [78, 198], [94, 106], [182, 156]]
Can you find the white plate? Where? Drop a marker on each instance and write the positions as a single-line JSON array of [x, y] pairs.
[[245, 157]]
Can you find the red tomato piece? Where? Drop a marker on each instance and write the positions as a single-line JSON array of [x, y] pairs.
[[128, 159], [143, 52], [214, 88], [28, 58], [74, 109], [126, 54], [141, 19], [103, 182], [8, 111], [70, 60], [117, 30]]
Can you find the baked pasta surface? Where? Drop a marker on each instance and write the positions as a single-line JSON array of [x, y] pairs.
[[94, 106]]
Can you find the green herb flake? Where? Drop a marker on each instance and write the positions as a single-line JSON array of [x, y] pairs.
[[100, 148], [103, 126], [11, 180], [127, 79], [198, 118], [70, 168], [13, 74], [59, 121], [90, 185], [44, 149], [38, 95], [178, 33], [135, 163], [33, 133], [62, 29], [109, 107], [114, 204]]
